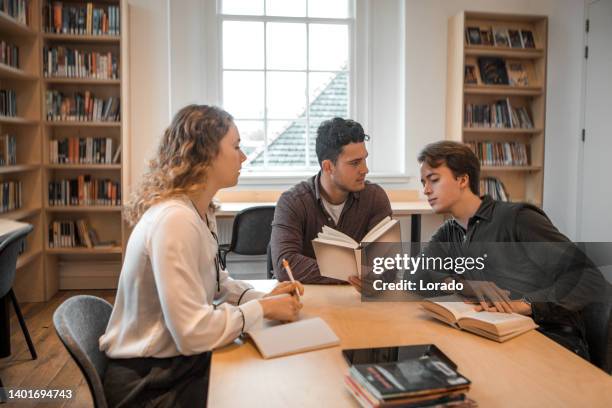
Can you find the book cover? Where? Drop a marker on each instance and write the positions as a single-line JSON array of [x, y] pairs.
[[527, 37], [470, 74], [486, 37], [500, 37], [517, 74], [515, 39], [473, 35], [493, 71], [409, 378]]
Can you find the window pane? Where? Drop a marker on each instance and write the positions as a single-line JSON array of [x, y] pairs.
[[329, 94], [287, 8], [286, 94], [243, 94], [251, 136], [243, 45], [246, 7], [328, 47], [286, 143], [286, 44], [328, 8], [314, 125]]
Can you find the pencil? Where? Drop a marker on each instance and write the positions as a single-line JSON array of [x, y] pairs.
[[290, 273]]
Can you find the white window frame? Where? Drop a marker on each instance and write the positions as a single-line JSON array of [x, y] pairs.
[[205, 52]]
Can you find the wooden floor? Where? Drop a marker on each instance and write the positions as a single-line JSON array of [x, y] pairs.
[[54, 368]]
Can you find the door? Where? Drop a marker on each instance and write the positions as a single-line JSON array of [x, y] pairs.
[[595, 215]]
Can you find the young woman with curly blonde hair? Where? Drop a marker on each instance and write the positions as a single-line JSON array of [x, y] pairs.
[[164, 324]]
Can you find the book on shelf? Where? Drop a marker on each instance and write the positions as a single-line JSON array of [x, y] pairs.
[[500, 153], [493, 71], [527, 39], [275, 339], [65, 62], [81, 107], [11, 198], [75, 234], [339, 256], [496, 326], [517, 73], [82, 150], [494, 187], [8, 102], [486, 36], [500, 37], [470, 74], [81, 19], [8, 150], [499, 114], [9, 54], [20, 10], [514, 36], [413, 382], [84, 190], [473, 35], [117, 155]]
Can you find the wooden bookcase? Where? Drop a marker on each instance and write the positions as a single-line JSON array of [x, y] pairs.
[[38, 275], [525, 182]]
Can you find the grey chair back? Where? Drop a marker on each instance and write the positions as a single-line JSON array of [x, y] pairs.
[[598, 324], [269, 264], [9, 251], [79, 323]]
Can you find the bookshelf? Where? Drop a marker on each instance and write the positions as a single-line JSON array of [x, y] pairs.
[[22, 162], [83, 66], [31, 132], [487, 112]]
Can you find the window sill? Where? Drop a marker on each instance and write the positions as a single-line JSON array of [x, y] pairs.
[[275, 179]]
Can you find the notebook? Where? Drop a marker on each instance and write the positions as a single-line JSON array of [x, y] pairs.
[[275, 339]]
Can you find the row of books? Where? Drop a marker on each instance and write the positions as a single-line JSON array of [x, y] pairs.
[[498, 71], [84, 190], [500, 153], [67, 62], [8, 102], [494, 187], [10, 196], [81, 107], [499, 114], [8, 150], [75, 234], [9, 54], [498, 36], [83, 150], [18, 9], [414, 382], [82, 19]]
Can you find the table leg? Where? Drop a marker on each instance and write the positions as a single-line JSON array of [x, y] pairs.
[[415, 228]]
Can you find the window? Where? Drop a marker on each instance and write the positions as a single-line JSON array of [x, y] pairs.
[[285, 68]]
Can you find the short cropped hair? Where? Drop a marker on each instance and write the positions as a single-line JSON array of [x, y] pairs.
[[459, 158], [334, 134]]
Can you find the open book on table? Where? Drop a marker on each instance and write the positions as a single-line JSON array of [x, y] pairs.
[[339, 256], [492, 325], [275, 339]]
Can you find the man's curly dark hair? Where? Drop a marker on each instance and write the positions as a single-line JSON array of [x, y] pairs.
[[334, 134]]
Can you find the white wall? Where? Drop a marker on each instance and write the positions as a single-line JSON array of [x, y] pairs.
[[426, 27]]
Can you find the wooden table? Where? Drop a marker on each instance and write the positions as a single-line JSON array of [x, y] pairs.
[[528, 371], [400, 208]]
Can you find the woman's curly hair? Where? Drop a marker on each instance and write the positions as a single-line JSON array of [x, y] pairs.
[[185, 152]]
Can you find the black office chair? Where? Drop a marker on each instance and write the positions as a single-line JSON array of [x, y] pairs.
[[269, 264], [598, 324], [250, 232], [9, 251]]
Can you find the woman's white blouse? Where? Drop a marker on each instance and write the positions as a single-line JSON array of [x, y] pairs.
[[167, 285]]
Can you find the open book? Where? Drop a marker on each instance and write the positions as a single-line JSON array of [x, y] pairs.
[[274, 339], [339, 256], [492, 325]]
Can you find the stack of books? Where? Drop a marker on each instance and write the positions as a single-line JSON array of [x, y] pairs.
[[416, 382]]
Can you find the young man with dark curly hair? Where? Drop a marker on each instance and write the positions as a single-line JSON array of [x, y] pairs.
[[338, 196]]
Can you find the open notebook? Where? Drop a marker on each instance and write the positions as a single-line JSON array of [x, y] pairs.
[[339, 256], [274, 339], [492, 325]]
